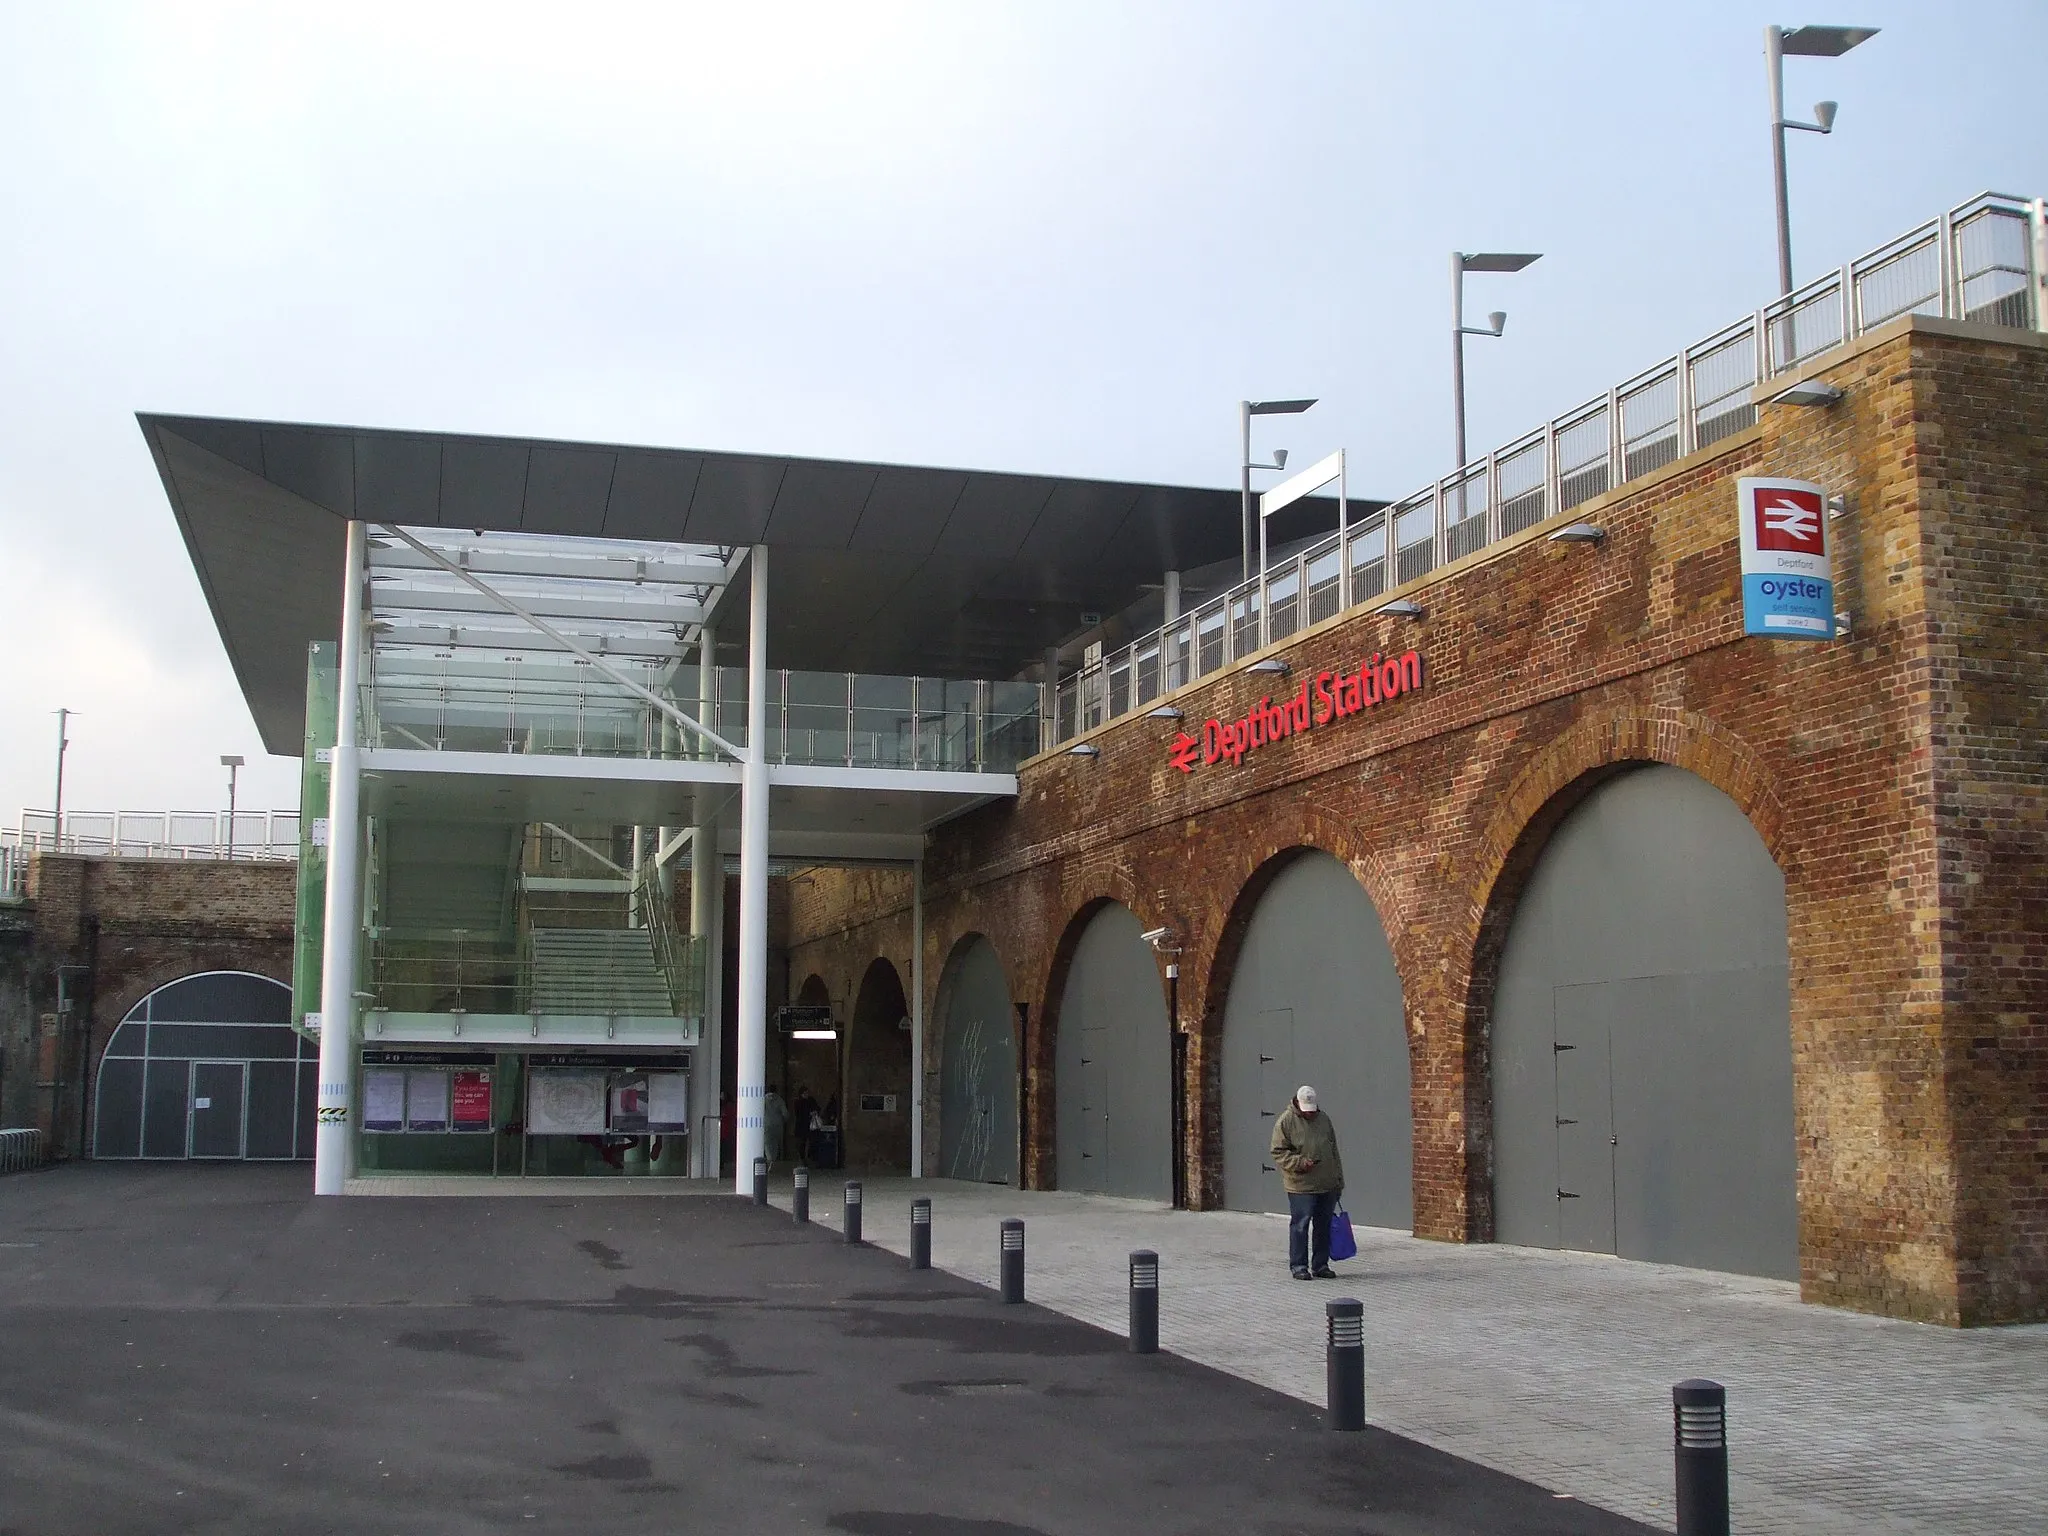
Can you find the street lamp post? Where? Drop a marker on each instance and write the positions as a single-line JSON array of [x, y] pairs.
[[1804, 42], [63, 742], [231, 764], [1246, 410], [1461, 263]]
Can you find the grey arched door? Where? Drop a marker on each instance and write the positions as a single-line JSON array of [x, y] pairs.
[[1114, 1065], [977, 1068], [1642, 1054], [1314, 998]]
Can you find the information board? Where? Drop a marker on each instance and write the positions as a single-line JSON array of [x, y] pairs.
[[426, 1099], [383, 1099], [565, 1103]]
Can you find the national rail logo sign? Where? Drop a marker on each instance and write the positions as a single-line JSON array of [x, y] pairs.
[[1788, 589], [1323, 699]]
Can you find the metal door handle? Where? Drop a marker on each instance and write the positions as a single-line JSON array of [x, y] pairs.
[[1562, 1194], [1267, 1168], [1264, 1059], [1562, 1121], [1556, 1047], [1265, 1114]]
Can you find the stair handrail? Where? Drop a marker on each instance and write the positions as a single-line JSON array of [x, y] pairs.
[[676, 958]]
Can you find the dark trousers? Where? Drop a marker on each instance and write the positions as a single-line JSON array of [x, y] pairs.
[[1308, 1229]]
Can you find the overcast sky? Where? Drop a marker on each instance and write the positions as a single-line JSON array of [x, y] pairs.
[[1053, 237]]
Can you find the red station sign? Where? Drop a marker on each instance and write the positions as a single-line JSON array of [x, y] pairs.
[[1323, 699]]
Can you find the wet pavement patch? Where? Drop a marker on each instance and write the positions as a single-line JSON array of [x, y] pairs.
[[604, 1254], [875, 1522], [477, 1343]]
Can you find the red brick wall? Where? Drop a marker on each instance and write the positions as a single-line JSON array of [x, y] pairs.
[[1895, 776]]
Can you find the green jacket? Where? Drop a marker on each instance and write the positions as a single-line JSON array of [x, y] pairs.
[[1296, 1140]]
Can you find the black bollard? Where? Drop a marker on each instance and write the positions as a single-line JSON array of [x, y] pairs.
[[760, 1181], [852, 1219], [800, 1194], [1144, 1302], [1699, 1435], [1344, 1363], [921, 1233], [1013, 1259]]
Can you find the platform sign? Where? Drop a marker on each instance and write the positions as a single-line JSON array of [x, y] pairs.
[[1788, 588]]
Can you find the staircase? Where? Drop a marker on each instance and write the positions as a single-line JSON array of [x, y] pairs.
[[597, 971]]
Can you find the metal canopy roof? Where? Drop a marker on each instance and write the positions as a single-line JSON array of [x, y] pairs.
[[876, 567]]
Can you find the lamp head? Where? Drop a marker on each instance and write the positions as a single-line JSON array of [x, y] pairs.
[[1824, 42], [1824, 115], [1497, 321], [1279, 458]]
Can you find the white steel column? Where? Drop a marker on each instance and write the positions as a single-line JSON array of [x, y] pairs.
[[752, 1047], [917, 1019], [707, 895], [341, 924]]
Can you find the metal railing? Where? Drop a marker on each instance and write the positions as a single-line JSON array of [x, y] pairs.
[[159, 834], [456, 971], [555, 706], [21, 1149], [1980, 261], [13, 872]]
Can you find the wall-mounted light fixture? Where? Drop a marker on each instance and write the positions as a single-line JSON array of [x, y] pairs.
[[1164, 712], [1842, 625], [1084, 749], [1401, 608], [1579, 533], [814, 1034], [1808, 392], [1270, 664], [1838, 506]]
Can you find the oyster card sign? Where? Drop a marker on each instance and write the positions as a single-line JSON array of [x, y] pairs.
[[1788, 588], [1323, 699]]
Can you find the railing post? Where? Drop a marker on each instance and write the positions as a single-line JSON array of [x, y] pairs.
[[1852, 320], [2037, 226], [849, 719], [1688, 429], [1617, 454], [916, 722], [1492, 497], [1951, 274], [1438, 541]]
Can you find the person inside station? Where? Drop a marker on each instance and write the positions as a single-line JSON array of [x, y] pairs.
[[803, 1111], [1305, 1151]]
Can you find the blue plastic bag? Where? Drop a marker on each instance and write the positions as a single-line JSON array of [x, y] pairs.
[[1342, 1244]]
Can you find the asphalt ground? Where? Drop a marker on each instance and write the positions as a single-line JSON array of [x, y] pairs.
[[210, 1349]]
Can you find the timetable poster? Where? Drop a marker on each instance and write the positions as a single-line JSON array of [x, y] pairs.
[[426, 1100], [473, 1101], [383, 1099]]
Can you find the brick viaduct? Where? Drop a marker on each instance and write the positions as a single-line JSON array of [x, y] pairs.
[[1897, 777]]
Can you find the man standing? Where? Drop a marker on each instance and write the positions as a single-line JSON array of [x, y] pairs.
[[775, 1120], [1305, 1152]]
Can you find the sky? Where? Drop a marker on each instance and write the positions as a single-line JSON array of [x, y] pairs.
[[1053, 237]]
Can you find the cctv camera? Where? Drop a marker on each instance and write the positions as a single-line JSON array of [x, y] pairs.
[[1153, 935]]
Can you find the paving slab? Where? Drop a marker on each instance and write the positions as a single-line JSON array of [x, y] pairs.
[[212, 1350], [1554, 1367]]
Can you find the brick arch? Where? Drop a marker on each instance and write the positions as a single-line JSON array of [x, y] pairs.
[[1553, 784], [1113, 887], [1253, 873], [115, 1005]]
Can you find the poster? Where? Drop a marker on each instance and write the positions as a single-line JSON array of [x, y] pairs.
[[1788, 589], [629, 1102], [668, 1101], [472, 1101], [426, 1099], [565, 1103], [383, 1099]]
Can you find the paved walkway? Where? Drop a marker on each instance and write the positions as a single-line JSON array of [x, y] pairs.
[[1555, 1367]]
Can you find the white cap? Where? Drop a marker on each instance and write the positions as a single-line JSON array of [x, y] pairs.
[[1305, 1096]]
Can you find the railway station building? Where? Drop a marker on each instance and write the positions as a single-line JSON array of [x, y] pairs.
[[1638, 836]]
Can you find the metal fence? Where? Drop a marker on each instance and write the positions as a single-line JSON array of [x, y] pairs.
[[1981, 261], [13, 872], [20, 1150], [156, 835]]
